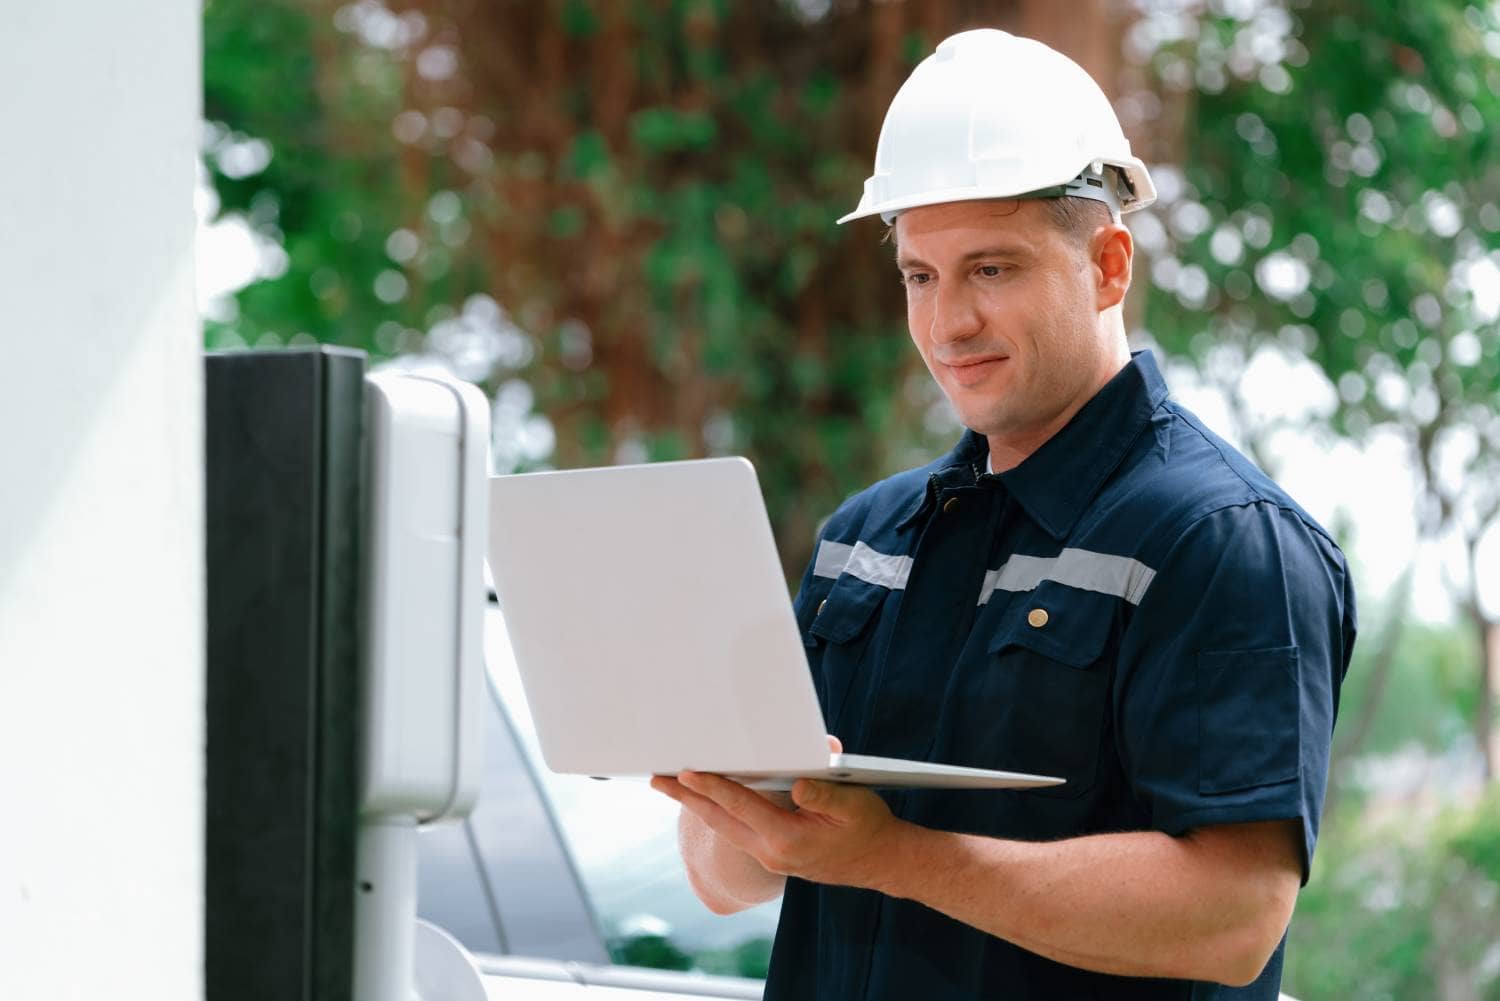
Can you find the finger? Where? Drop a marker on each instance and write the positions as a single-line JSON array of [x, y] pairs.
[[831, 799], [834, 744], [745, 805], [781, 797], [807, 794], [715, 817], [669, 786], [685, 796]]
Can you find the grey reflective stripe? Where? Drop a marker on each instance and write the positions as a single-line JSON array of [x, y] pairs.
[[1120, 576], [832, 558], [859, 560]]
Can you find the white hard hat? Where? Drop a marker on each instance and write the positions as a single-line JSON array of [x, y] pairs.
[[990, 115]]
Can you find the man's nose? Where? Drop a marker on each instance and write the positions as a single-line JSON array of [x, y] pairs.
[[953, 314]]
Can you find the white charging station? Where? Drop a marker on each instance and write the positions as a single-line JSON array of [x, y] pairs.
[[423, 676]]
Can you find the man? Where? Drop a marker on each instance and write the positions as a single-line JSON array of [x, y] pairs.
[[1090, 585]]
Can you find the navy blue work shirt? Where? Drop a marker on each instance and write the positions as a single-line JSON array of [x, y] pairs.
[[1135, 608]]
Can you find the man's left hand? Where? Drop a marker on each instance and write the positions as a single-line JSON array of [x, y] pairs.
[[838, 834]]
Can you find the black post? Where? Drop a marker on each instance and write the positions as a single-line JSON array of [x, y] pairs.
[[285, 455]]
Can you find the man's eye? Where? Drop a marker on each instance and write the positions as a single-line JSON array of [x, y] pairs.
[[991, 270], [916, 278]]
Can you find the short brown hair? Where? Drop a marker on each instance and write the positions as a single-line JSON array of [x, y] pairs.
[[1078, 217]]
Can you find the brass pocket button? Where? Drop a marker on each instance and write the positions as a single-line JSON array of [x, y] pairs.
[[1037, 617]]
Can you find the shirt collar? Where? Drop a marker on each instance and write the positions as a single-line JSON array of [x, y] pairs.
[[960, 467], [1057, 481]]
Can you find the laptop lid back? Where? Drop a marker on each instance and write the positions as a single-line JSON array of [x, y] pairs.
[[650, 620]]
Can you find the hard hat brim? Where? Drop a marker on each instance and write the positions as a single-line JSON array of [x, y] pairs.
[[1141, 194]]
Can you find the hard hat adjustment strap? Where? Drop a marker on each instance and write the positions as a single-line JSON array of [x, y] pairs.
[[1091, 184]]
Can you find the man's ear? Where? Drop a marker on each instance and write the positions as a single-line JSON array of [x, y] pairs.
[[1112, 251]]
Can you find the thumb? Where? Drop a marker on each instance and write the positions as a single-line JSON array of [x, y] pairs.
[[818, 797]]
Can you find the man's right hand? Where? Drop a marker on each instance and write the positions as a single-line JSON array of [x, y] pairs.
[[724, 878]]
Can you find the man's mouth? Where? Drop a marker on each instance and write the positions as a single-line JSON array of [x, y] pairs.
[[968, 371]]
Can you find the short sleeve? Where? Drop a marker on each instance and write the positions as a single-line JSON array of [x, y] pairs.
[[1229, 672], [810, 594]]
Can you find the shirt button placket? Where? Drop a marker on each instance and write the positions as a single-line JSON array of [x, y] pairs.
[[936, 612]]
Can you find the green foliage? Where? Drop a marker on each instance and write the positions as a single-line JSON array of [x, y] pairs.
[[1428, 697], [751, 958], [331, 193], [1476, 841], [1402, 909], [1341, 201], [654, 951], [630, 216]]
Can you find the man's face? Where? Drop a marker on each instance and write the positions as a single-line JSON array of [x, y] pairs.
[[1004, 307]]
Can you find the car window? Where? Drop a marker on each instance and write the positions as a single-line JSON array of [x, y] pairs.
[[501, 880], [622, 838], [451, 888]]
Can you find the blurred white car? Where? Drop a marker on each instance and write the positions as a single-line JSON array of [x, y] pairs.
[[564, 886]]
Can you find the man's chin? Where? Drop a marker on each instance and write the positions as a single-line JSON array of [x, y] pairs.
[[987, 428], [979, 419]]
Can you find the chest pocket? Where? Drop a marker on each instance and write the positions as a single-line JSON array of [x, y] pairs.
[[1040, 701], [840, 632]]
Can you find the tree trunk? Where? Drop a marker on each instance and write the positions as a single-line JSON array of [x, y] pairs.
[[1485, 735], [1088, 32], [1351, 738], [1487, 637]]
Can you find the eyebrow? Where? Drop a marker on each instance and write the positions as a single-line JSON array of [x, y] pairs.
[[996, 250]]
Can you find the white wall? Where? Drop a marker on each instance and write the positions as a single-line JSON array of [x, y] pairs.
[[101, 509]]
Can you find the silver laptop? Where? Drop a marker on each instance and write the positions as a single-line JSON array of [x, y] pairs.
[[650, 621]]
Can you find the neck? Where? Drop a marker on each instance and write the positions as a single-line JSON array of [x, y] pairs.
[[1009, 449]]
